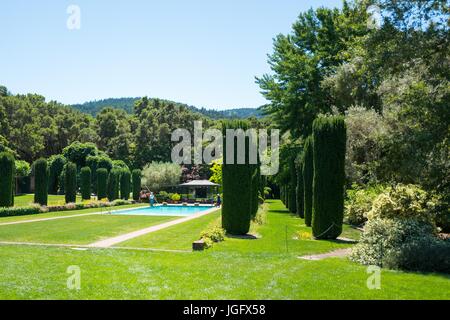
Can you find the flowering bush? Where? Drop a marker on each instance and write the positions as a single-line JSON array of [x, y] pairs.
[[359, 203]]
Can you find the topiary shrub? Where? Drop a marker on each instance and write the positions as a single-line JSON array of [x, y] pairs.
[[7, 167], [329, 134], [41, 182], [300, 194], [56, 165], [125, 184], [70, 182], [308, 174], [85, 183], [136, 177], [113, 184], [102, 181], [292, 188], [237, 185]]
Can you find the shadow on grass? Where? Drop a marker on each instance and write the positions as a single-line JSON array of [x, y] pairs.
[[243, 237]]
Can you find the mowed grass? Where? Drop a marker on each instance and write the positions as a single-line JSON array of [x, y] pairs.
[[178, 237], [78, 230], [233, 269], [67, 213], [27, 199]]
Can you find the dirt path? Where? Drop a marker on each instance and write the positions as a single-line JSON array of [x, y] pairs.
[[335, 253]]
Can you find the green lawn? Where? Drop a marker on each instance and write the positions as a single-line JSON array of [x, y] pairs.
[[234, 269], [27, 199], [78, 230]]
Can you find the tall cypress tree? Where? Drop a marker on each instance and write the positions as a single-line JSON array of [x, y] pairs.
[[292, 187], [136, 177], [85, 183], [308, 173], [329, 176], [300, 189], [7, 168], [125, 184], [102, 181], [41, 181], [70, 182], [113, 184]]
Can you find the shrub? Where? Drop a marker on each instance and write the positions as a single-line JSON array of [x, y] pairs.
[[300, 196], [125, 184], [175, 197], [359, 203], [255, 190], [113, 184], [41, 182], [329, 134], [308, 173], [7, 167], [70, 182], [403, 201], [102, 181], [213, 235], [292, 188], [237, 185], [85, 183], [20, 211], [136, 176]]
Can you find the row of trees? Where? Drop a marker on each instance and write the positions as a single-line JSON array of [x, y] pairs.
[[113, 184]]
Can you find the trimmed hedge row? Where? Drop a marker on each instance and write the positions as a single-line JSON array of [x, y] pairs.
[[36, 209], [308, 174], [300, 197]]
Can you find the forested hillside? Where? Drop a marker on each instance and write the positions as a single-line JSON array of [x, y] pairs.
[[127, 104]]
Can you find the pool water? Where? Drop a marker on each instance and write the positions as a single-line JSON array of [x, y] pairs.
[[164, 210]]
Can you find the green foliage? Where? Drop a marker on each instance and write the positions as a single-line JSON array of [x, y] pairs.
[[329, 134], [213, 235], [237, 187], [102, 181], [85, 183], [158, 175], [292, 193], [7, 167], [404, 202], [113, 184], [22, 169], [41, 174], [256, 180], [308, 175], [176, 197], [125, 184], [70, 182], [56, 165], [77, 152], [216, 172], [97, 162], [136, 177], [359, 203]]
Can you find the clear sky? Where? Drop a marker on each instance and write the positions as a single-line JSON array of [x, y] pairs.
[[201, 52]]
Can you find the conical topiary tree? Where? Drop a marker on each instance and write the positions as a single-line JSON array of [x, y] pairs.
[[113, 184], [70, 182], [7, 168], [85, 175], [102, 181], [125, 184], [329, 134], [136, 177], [308, 172], [41, 182]]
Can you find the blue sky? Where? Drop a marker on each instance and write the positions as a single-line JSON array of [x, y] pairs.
[[201, 52]]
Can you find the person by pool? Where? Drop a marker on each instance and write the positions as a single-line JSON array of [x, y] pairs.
[[152, 199], [219, 200]]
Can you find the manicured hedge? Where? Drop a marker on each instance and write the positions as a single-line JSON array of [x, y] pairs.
[[85, 183], [102, 181], [136, 176], [113, 185], [125, 184], [56, 166], [255, 190], [7, 167], [292, 187], [308, 173], [41, 182], [329, 134], [300, 197], [70, 182], [237, 187]]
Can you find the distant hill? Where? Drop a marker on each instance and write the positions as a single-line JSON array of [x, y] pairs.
[[127, 104]]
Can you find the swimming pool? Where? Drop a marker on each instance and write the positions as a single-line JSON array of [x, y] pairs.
[[164, 210]]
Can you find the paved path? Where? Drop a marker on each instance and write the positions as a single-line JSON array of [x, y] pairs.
[[124, 237], [335, 253]]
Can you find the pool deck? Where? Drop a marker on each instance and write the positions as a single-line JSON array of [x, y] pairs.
[[124, 237]]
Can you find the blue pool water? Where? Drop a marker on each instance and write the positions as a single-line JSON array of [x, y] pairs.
[[164, 210]]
